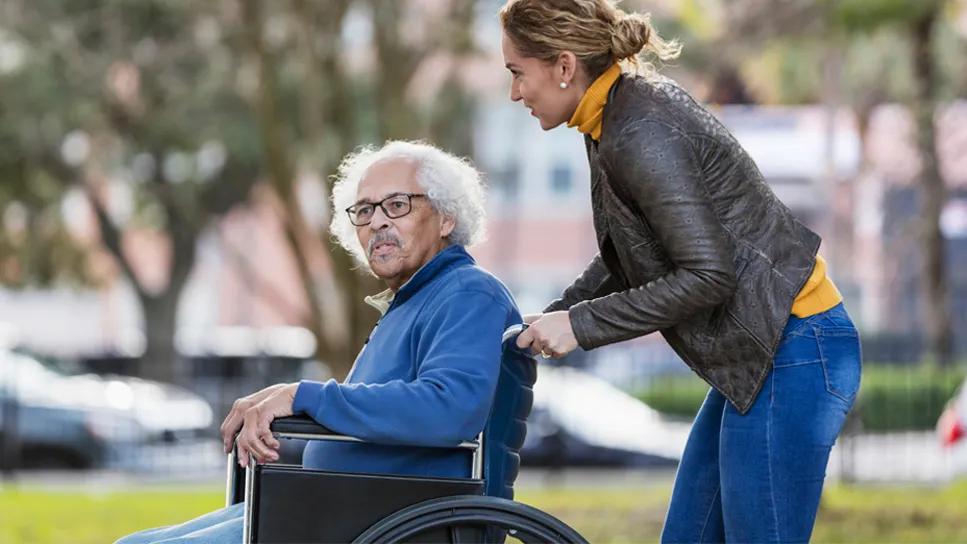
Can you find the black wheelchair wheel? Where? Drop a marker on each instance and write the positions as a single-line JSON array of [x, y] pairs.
[[470, 518]]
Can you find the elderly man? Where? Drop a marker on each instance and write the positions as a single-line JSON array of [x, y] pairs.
[[427, 374]]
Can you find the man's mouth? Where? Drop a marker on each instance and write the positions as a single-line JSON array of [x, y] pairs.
[[383, 248]]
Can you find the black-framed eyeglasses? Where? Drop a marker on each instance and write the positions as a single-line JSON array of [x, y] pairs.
[[394, 206]]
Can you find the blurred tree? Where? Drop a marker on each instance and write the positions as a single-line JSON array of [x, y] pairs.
[[918, 22], [806, 47], [162, 115], [135, 106], [342, 73]]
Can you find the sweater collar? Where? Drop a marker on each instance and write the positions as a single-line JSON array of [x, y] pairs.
[[449, 257], [590, 111]]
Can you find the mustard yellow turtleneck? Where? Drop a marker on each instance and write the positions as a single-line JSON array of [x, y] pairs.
[[587, 116], [818, 295]]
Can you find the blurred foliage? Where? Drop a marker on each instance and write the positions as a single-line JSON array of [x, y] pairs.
[[891, 398], [622, 514], [860, 54], [123, 120], [867, 15], [129, 92], [781, 49], [124, 116], [678, 395]]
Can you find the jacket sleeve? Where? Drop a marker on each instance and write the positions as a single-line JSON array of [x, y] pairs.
[[458, 362], [596, 281], [656, 166]]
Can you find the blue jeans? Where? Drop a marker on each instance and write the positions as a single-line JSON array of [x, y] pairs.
[[222, 526], [758, 477]]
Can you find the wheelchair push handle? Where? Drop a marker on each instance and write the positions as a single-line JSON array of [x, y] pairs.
[[513, 332]]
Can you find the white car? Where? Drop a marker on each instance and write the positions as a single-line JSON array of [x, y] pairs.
[[62, 420], [581, 419]]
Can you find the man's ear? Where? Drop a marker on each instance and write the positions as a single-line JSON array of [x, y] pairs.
[[447, 225]]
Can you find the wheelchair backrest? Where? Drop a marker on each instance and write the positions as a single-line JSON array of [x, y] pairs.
[[507, 425]]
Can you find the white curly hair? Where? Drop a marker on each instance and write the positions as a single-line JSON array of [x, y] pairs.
[[453, 186]]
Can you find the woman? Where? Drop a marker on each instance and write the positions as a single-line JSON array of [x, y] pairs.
[[694, 244]]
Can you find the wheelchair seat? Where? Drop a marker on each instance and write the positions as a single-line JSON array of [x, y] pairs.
[[286, 503]]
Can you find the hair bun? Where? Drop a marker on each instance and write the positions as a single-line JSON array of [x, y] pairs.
[[630, 35]]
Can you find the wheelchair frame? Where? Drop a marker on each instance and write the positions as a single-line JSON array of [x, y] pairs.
[[305, 429], [463, 515], [439, 504]]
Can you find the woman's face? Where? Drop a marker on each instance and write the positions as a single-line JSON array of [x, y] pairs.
[[538, 85]]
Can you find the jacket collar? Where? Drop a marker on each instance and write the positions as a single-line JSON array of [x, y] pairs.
[[449, 257]]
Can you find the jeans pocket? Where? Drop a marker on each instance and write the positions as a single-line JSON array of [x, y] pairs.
[[841, 358]]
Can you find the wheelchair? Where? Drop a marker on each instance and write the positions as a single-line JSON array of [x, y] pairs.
[[288, 503]]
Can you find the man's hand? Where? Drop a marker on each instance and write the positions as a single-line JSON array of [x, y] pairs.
[[550, 335], [256, 438], [236, 416]]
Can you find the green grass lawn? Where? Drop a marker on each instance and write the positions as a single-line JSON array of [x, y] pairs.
[[848, 514]]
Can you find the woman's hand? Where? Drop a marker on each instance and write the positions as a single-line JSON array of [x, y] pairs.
[[530, 318], [550, 335]]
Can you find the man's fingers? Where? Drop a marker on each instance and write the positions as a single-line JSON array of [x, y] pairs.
[[233, 422], [242, 455], [261, 451], [265, 433], [265, 436], [252, 445], [271, 441], [229, 429], [255, 429]]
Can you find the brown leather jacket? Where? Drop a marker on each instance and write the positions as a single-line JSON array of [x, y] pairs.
[[693, 242]]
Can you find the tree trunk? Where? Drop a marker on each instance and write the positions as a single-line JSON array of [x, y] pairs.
[[160, 310], [935, 299], [281, 166], [160, 359]]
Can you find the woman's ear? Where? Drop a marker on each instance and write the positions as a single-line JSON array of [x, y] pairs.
[[567, 63]]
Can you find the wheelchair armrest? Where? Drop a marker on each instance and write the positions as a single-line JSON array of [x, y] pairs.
[[301, 424]]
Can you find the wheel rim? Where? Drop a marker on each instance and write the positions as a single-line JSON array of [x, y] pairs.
[[472, 513]]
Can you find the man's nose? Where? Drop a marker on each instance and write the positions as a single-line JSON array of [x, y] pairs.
[[380, 220]]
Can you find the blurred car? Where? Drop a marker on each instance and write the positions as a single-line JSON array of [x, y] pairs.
[[55, 419], [579, 419]]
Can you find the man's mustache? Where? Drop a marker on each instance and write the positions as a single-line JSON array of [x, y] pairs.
[[381, 237]]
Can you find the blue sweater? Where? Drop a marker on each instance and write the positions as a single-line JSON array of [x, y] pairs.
[[426, 376]]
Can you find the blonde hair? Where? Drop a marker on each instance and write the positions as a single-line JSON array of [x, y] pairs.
[[596, 31]]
